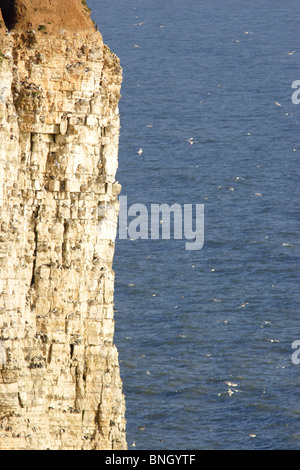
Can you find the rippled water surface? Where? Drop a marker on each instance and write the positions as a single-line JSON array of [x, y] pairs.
[[204, 337]]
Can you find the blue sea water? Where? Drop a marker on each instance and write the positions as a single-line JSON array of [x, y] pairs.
[[205, 337]]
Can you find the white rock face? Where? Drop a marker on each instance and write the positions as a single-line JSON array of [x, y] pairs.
[[60, 385]]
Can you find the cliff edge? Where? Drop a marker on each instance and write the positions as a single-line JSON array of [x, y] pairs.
[[60, 385]]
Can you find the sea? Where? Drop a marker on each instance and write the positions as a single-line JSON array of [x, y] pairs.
[[209, 339]]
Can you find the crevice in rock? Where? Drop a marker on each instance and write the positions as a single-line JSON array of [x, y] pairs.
[[21, 404], [8, 9], [65, 244], [71, 350], [98, 417], [35, 232], [32, 283], [49, 354]]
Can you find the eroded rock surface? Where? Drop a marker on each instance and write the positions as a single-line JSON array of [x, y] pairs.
[[60, 385]]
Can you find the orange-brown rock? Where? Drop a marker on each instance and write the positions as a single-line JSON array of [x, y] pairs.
[[25, 15]]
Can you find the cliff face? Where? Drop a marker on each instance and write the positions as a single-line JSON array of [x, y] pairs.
[[60, 385]]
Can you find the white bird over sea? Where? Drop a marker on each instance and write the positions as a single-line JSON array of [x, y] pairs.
[[231, 384], [191, 141], [291, 53], [140, 151], [243, 305]]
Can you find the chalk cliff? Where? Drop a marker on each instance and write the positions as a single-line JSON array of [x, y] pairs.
[[60, 385]]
